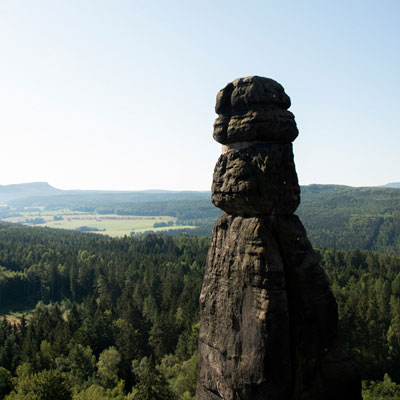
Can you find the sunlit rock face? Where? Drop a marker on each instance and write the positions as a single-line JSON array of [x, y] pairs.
[[268, 326]]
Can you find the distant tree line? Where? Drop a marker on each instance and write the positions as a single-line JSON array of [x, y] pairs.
[[336, 217], [119, 318]]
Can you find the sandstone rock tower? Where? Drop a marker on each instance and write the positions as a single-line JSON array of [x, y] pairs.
[[268, 325]]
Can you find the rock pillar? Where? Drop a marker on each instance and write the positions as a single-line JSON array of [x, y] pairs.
[[268, 327]]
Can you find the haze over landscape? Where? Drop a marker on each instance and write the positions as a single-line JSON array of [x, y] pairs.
[[120, 95], [123, 276]]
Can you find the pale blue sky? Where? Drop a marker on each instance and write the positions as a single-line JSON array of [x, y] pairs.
[[118, 94]]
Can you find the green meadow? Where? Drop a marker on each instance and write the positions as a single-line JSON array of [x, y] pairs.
[[110, 224]]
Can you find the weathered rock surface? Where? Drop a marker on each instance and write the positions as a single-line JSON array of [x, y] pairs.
[[249, 93], [268, 326], [244, 342], [259, 179], [275, 125], [269, 320], [254, 109]]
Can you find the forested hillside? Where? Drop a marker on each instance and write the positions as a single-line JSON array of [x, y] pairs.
[[393, 185], [338, 217], [118, 318], [343, 217], [119, 301]]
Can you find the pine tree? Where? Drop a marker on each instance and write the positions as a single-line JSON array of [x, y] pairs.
[[151, 384]]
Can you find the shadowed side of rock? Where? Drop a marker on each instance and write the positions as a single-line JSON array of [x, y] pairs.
[[321, 368], [269, 319], [244, 333]]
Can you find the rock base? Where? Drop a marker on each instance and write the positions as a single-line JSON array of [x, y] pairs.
[[268, 318]]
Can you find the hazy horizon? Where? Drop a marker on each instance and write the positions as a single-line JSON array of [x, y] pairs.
[[121, 95], [174, 190]]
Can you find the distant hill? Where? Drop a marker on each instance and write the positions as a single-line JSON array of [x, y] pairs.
[[395, 185], [344, 217], [18, 191], [42, 194], [335, 216]]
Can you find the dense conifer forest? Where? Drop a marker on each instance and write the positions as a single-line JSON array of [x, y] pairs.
[[118, 318]]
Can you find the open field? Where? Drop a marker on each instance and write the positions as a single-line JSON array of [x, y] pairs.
[[109, 224], [14, 317], [14, 314]]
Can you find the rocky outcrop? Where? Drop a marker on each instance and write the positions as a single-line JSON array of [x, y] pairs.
[[257, 180], [252, 109], [268, 326]]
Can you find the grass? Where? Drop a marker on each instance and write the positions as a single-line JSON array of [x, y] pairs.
[[13, 313], [110, 224]]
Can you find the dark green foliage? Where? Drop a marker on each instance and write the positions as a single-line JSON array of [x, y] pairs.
[[87, 229], [50, 265], [182, 377], [43, 385], [130, 297], [5, 382], [367, 289], [385, 390], [151, 384], [80, 362], [343, 217], [139, 296]]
